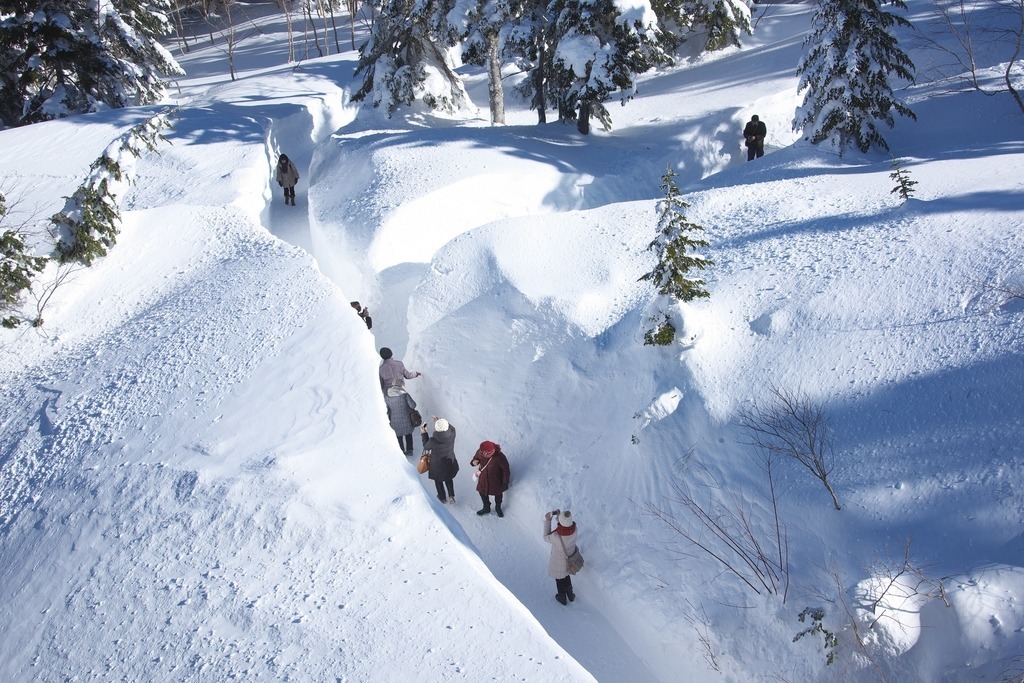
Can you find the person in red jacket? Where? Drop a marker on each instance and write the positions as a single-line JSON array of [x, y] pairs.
[[492, 475]]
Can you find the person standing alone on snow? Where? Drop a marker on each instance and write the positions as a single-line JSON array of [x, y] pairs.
[[443, 465], [391, 370], [492, 477], [754, 133], [287, 176], [563, 542]]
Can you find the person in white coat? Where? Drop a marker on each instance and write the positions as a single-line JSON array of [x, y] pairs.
[[563, 542]]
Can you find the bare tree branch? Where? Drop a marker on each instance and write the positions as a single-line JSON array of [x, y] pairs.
[[793, 427]]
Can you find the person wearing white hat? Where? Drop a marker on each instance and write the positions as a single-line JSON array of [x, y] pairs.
[[443, 465], [563, 543]]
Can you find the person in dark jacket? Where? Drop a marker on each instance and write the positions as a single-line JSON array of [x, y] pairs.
[[287, 177], [492, 474], [400, 406], [563, 542], [391, 370], [364, 313], [443, 465], [754, 134]]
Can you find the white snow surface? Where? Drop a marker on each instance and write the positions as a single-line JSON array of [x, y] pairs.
[[197, 477]]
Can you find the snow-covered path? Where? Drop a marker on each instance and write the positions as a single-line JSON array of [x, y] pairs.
[[510, 547]]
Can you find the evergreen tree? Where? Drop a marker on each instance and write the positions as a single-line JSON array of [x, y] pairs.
[[599, 50], [405, 59], [673, 246], [904, 185], [61, 57], [852, 54], [722, 21], [18, 268]]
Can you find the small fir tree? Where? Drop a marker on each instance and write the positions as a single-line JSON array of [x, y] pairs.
[[662, 334], [904, 185], [674, 245]]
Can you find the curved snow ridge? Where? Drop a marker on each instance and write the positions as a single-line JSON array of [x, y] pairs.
[[539, 256]]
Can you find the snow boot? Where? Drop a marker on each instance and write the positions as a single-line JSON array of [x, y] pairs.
[[561, 599], [497, 510], [572, 596], [486, 510]]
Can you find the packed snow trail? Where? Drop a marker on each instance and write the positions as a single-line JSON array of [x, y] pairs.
[[510, 547]]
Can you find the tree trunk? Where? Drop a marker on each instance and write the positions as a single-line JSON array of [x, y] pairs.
[[583, 122], [496, 96], [312, 23], [283, 4], [539, 96], [334, 27], [353, 7]]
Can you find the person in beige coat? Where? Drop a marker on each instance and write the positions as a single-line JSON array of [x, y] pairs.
[[287, 177], [563, 542]]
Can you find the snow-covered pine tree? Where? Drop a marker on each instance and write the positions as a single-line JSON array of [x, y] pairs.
[[406, 58], [61, 57], [723, 21], [718, 22], [599, 50], [674, 245], [131, 35], [848, 62]]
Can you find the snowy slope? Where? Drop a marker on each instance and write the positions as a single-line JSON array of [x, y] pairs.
[[197, 479]]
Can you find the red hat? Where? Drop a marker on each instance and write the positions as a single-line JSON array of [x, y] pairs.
[[487, 447]]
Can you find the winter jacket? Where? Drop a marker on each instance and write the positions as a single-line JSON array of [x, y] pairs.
[[391, 370], [558, 565], [494, 472], [287, 174], [443, 465], [756, 130], [400, 412]]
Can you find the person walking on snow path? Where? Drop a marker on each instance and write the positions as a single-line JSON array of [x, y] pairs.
[[443, 465], [391, 370], [563, 542], [287, 176], [400, 406], [492, 475]]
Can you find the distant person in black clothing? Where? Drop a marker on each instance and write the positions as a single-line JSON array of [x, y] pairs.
[[754, 134]]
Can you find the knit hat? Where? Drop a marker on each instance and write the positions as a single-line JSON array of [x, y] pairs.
[[487, 448], [565, 518], [441, 425], [385, 353]]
